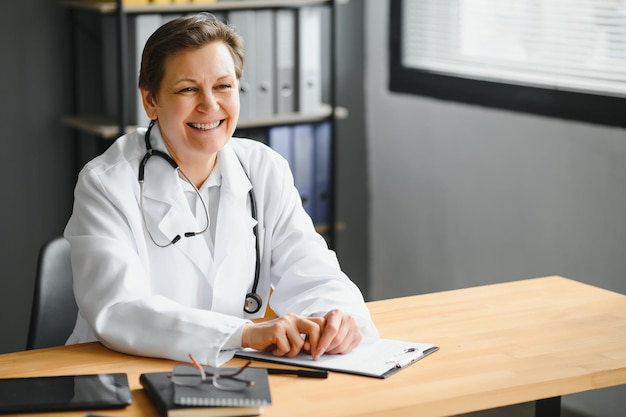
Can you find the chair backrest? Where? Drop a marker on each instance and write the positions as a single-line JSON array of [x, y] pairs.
[[54, 309]]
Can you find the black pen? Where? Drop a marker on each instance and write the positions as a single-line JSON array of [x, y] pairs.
[[94, 415], [305, 373]]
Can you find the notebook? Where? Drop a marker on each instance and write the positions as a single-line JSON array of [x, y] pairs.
[[175, 401], [379, 359]]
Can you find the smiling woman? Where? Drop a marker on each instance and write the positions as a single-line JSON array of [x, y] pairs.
[[193, 91], [178, 256], [197, 107]]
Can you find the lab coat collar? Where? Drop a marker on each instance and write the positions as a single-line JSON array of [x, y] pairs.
[[162, 180], [166, 208], [234, 178]]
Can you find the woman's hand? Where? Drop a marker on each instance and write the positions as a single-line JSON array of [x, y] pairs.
[[340, 334], [284, 336], [335, 333]]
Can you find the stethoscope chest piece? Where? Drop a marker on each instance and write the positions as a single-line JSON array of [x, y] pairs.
[[253, 303]]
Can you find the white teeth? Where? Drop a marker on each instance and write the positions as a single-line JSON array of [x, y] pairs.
[[204, 126]]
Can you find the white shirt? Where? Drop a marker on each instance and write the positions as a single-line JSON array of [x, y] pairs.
[[210, 192]]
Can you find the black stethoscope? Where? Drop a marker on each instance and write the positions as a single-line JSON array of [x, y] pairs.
[[253, 300]]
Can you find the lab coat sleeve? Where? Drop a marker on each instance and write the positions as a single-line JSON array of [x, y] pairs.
[[113, 289], [305, 274]]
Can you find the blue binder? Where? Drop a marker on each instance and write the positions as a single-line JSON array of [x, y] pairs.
[[323, 173], [303, 168], [280, 139]]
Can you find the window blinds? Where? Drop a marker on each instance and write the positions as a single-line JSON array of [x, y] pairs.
[[571, 45]]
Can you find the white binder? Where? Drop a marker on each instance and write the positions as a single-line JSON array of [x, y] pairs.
[[285, 61], [244, 21], [310, 59], [265, 62]]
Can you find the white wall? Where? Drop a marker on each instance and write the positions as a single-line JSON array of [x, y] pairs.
[[463, 195]]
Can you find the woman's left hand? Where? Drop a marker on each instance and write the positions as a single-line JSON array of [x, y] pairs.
[[340, 334]]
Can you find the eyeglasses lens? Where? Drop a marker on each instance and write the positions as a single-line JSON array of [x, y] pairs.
[[187, 378], [230, 380], [230, 384]]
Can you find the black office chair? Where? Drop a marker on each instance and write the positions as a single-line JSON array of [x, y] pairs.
[[54, 309]]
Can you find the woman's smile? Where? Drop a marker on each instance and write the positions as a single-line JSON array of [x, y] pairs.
[[205, 126]]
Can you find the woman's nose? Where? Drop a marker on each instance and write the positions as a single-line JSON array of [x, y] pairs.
[[208, 102]]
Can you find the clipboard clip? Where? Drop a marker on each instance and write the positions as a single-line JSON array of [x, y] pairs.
[[401, 361]]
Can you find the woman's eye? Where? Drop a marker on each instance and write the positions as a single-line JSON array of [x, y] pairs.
[[186, 90], [224, 87]]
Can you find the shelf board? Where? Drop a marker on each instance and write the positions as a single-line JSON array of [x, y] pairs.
[[323, 113], [107, 128], [106, 7], [104, 127]]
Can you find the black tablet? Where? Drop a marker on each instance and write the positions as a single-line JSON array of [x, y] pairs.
[[64, 393]]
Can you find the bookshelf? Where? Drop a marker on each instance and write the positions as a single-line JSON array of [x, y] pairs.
[[112, 6]]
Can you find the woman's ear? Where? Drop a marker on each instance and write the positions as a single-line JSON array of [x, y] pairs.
[[149, 104]]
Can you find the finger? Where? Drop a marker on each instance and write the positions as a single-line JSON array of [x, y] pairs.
[[348, 335], [280, 334], [331, 328], [282, 345], [293, 330], [348, 344], [296, 341], [311, 328], [309, 333], [311, 341]]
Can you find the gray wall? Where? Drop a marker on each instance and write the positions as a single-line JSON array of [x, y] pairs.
[[463, 195], [37, 157], [351, 159], [40, 158]]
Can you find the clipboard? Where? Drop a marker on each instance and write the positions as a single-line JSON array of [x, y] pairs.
[[379, 359]]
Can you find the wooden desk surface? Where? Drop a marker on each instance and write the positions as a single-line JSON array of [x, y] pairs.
[[500, 344]]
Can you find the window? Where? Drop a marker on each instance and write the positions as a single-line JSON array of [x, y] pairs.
[[553, 57]]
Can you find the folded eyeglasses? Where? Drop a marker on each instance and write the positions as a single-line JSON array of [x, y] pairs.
[[226, 379]]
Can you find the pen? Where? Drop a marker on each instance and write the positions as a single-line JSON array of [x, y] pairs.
[[406, 362], [298, 372], [403, 363], [94, 415]]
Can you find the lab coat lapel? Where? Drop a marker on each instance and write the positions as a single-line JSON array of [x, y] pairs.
[[234, 240], [167, 210]]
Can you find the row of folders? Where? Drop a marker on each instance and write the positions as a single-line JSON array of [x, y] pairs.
[[285, 69], [144, 2], [308, 149]]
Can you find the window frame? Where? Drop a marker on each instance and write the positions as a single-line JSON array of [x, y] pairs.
[[584, 107]]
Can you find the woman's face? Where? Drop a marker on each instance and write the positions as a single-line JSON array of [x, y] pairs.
[[198, 103]]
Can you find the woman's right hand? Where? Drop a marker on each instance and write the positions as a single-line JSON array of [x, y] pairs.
[[284, 336]]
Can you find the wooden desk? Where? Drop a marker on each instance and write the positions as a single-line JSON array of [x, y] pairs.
[[500, 344]]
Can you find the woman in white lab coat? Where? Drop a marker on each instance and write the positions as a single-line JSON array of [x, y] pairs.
[[143, 286]]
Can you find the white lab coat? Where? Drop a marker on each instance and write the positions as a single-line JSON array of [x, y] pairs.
[[170, 302]]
